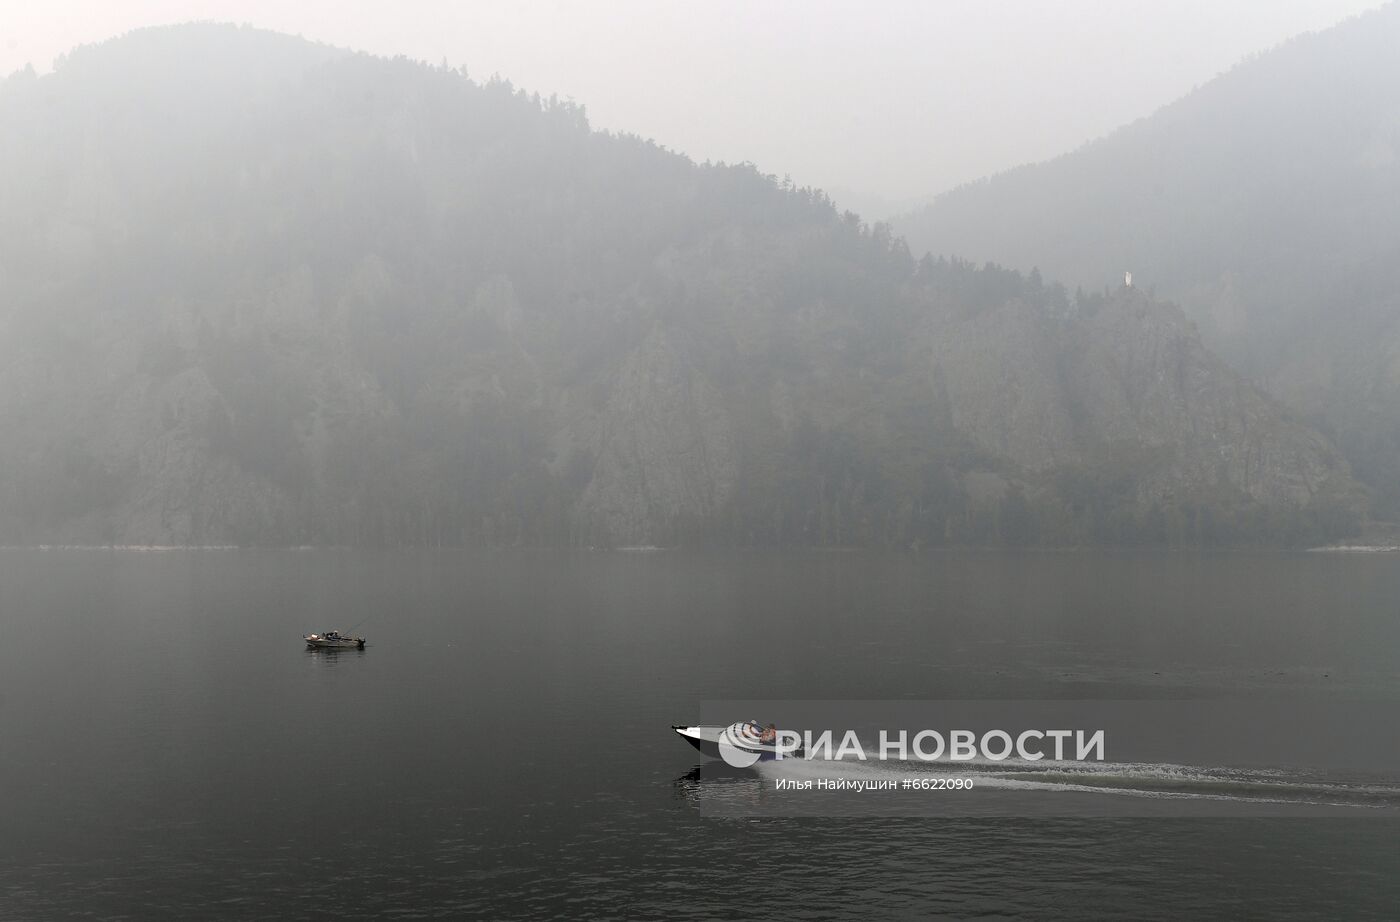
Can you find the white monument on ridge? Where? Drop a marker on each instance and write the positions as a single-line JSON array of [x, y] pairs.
[[1127, 279]]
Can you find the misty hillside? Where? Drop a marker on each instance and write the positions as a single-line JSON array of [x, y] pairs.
[[1267, 203], [256, 290]]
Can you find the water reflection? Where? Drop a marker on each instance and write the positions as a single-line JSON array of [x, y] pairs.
[[715, 783], [330, 657]]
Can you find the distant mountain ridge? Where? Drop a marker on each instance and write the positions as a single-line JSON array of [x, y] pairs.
[[1267, 203], [254, 290]]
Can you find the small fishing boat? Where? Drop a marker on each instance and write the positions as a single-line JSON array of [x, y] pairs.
[[333, 640]]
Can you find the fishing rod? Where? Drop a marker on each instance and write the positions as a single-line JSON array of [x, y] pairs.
[[360, 622]]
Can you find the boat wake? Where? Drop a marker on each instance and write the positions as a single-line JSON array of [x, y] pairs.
[[1117, 779]]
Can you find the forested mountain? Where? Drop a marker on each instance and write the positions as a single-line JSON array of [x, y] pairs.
[[1267, 203], [255, 290]]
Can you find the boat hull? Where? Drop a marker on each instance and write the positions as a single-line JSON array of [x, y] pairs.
[[315, 642], [706, 741]]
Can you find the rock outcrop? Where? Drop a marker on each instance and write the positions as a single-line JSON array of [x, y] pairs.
[[667, 452]]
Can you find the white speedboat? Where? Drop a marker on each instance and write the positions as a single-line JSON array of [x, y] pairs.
[[739, 744], [334, 640]]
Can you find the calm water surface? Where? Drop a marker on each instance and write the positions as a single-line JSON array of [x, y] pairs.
[[168, 749]]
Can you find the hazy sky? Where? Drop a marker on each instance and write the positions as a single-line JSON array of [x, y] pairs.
[[872, 101]]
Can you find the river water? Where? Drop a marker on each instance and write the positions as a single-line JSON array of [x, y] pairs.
[[501, 748]]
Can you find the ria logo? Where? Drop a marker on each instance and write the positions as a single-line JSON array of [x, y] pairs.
[[739, 744]]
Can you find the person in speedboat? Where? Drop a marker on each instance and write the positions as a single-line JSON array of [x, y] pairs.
[[767, 736]]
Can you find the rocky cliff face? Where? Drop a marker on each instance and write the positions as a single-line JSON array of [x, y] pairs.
[[1129, 376], [1002, 376], [1162, 390], [667, 452]]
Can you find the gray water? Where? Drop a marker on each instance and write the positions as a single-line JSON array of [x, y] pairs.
[[169, 749]]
